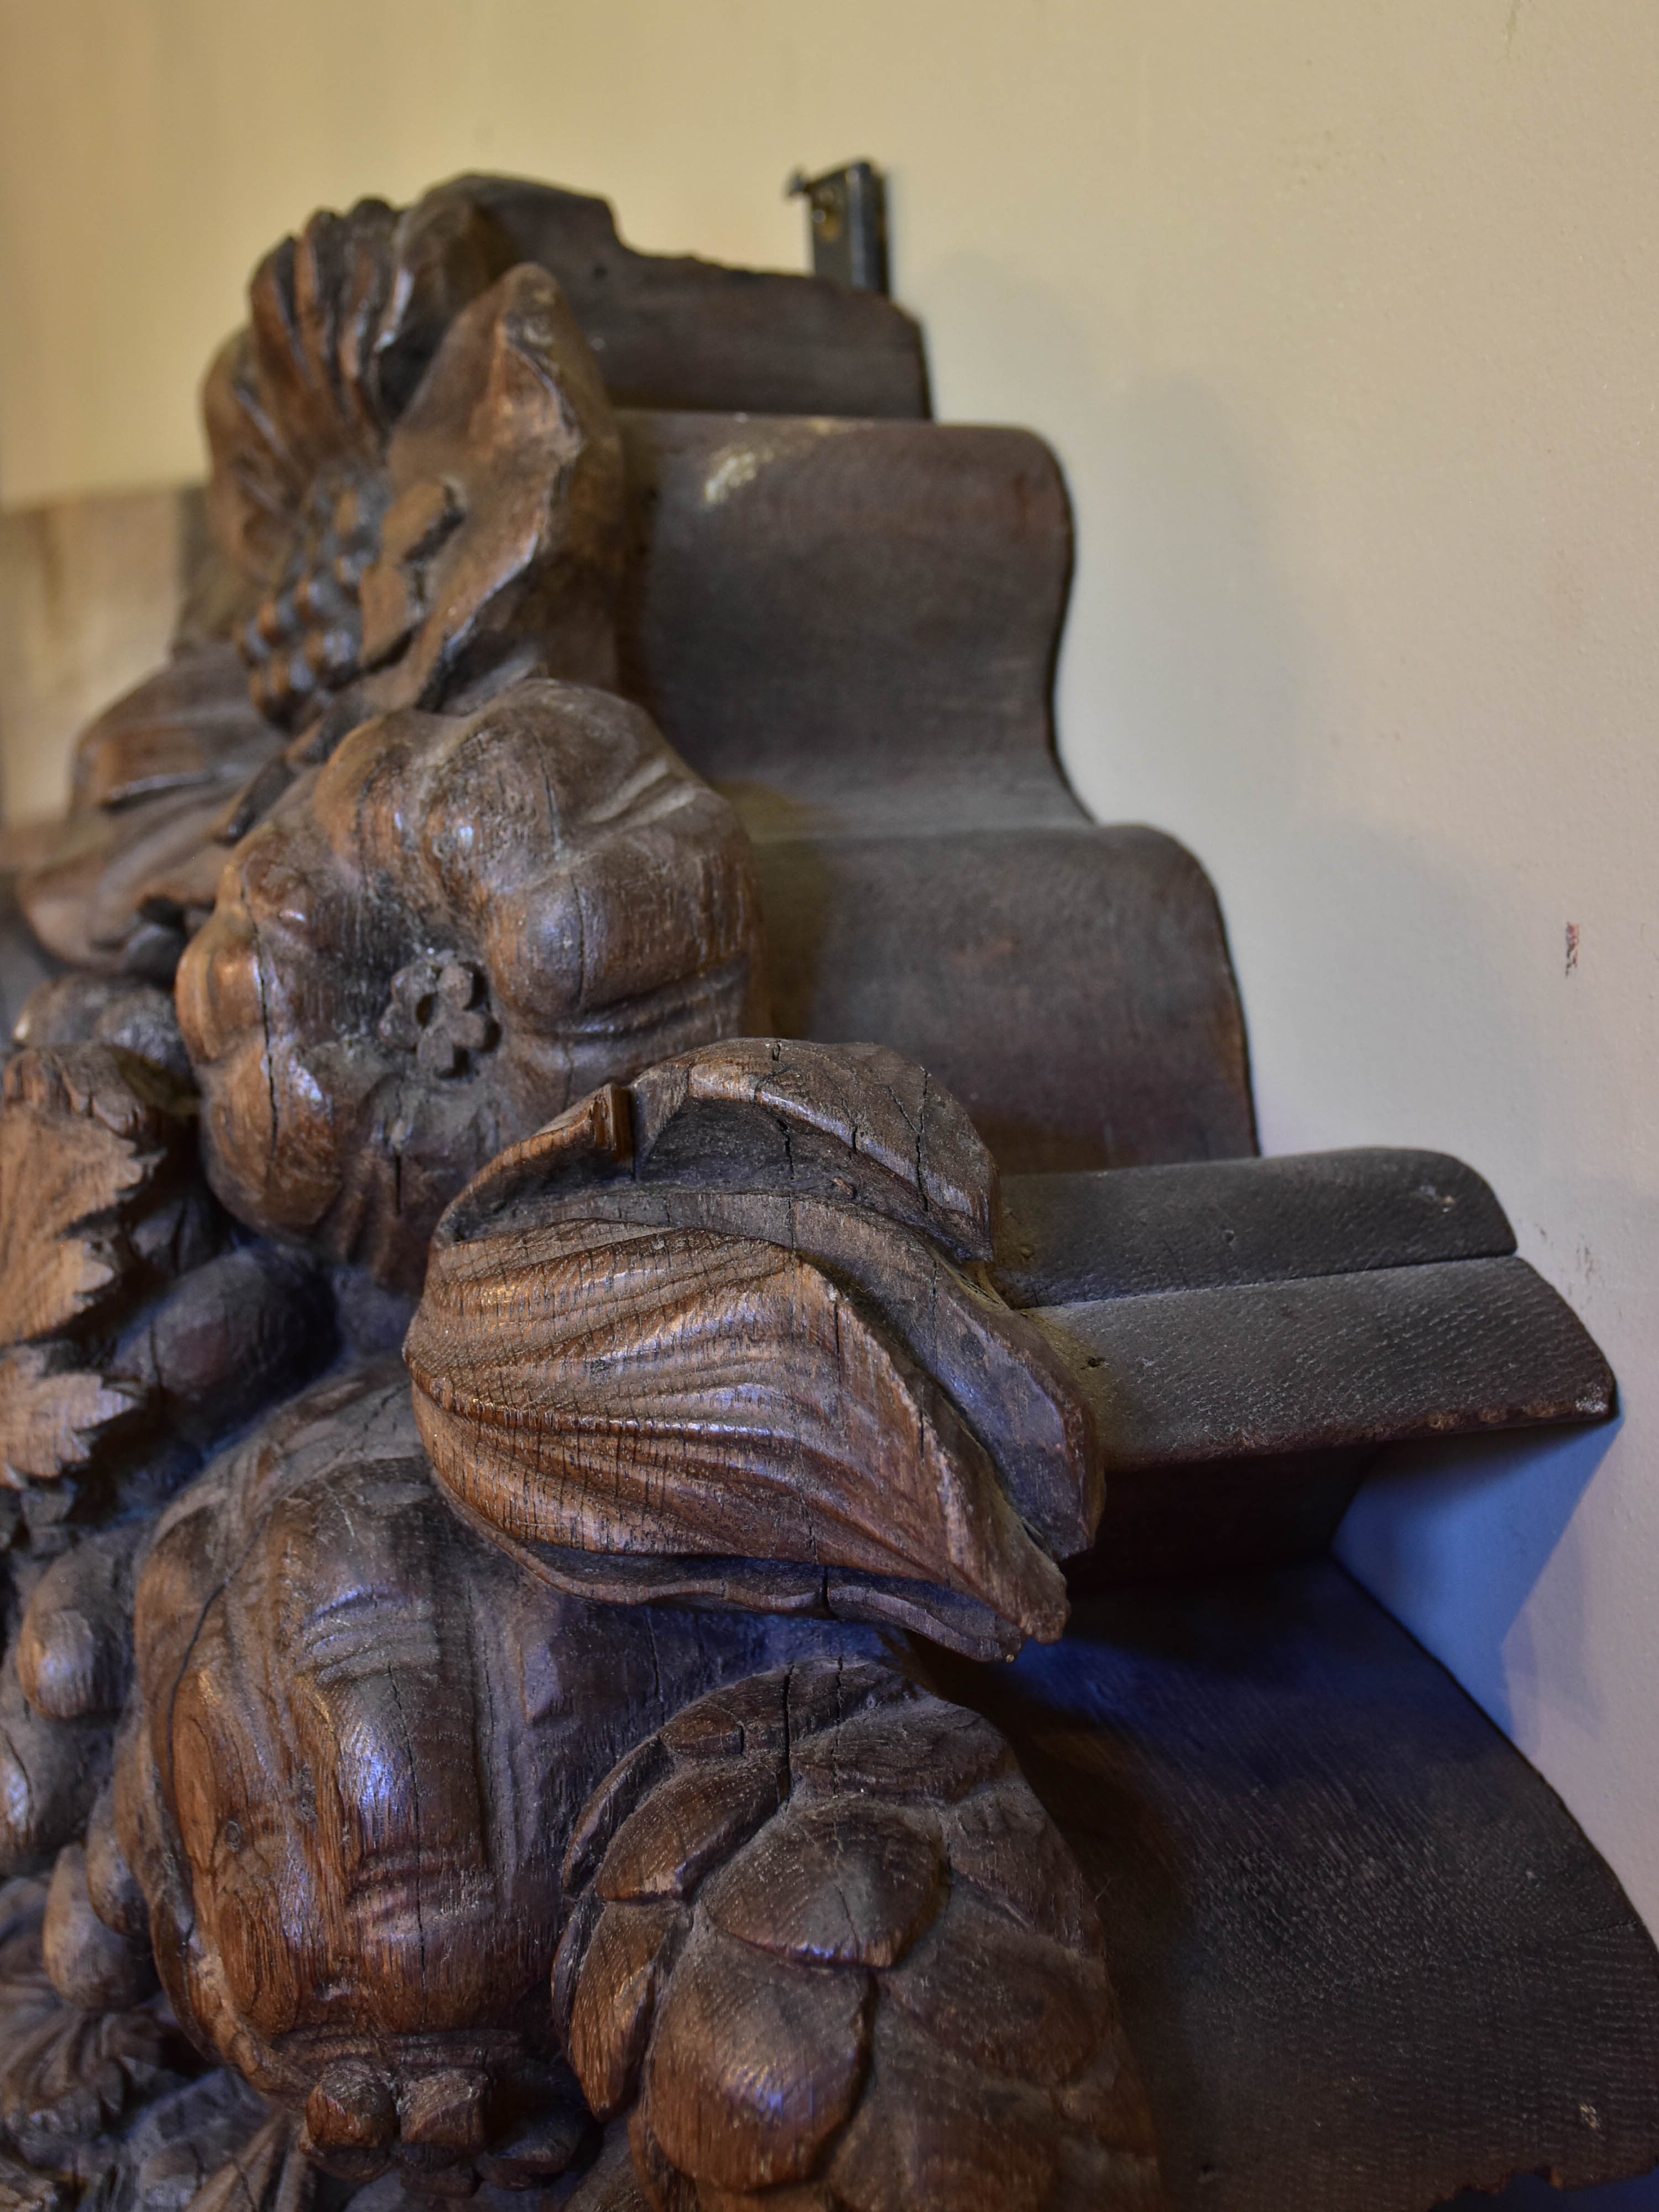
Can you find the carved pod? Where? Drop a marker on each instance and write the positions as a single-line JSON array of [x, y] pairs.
[[724, 1335], [361, 1740], [826, 1940]]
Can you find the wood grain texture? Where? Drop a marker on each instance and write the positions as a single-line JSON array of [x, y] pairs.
[[852, 630], [1066, 1239], [363, 1741], [499, 911], [73, 2081], [827, 1944], [1017, 964], [1365, 1956], [703, 1319], [106, 2105], [671, 331], [417, 483], [100, 1209], [1330, 1361], [130, 1341], [152, 775], [850, 626]]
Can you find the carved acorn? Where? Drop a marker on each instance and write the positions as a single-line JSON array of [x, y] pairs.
[[827, 1943], [360, 1741], [723, 1336]]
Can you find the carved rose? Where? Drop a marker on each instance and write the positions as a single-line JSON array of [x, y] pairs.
[[438, 939]]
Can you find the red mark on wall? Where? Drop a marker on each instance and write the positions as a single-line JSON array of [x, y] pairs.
[[1572, 946]]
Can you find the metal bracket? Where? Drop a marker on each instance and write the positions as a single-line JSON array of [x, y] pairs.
[[847, 215]]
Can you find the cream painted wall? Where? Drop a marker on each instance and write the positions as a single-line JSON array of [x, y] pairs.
[[1345, 319]]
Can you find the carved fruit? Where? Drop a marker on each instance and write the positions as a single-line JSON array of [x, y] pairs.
[[416, 487], [722, 1336], [362, 1741], [827, 1943]]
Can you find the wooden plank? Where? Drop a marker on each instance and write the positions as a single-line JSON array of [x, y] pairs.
[[1072, 986], [854, 625], [1063, 1239], [1238, 1421], [1366, 1957], [670, 331], [1330, 1363]]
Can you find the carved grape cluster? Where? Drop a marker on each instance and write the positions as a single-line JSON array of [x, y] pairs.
[[826, 1939], [305, 636]]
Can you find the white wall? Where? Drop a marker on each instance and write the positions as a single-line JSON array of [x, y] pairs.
[[1345, 319]]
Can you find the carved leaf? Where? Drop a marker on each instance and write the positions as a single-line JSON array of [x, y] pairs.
[[707, 1336], [86, 1136], [682, 1393], [96, 1157], [52, 1414]]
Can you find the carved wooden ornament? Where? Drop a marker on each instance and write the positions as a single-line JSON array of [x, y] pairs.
[[826, 1942], [362, 1739], [718, 1336], [446, 932], [418, 481]]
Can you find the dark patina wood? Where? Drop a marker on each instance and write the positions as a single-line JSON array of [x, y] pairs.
[[825, 1935], [731, 1357], [1249, 1333], [1365, 1955], [671, 330], [851, 629]]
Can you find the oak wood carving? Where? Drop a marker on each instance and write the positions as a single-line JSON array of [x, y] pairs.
[[132, 1334], [826, 1940], [360, 1740], [524, 1770], [436, 940], [417, 479], [719, 1335]]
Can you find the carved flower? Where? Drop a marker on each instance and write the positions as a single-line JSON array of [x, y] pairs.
[[439, 1012], [594, 907]]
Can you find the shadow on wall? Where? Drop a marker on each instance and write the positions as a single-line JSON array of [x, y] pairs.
[[1452, 1537], [1208, 686]]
